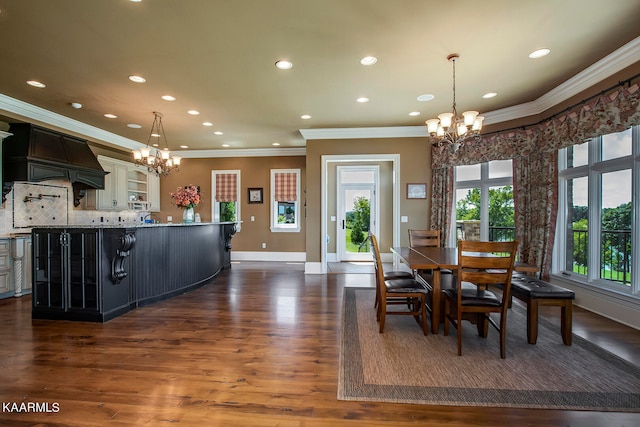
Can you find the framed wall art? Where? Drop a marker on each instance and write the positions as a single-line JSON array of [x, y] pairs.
[[417, 191], [255, 195]]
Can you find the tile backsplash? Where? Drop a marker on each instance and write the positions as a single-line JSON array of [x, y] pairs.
[[39, 204], [51, 203]]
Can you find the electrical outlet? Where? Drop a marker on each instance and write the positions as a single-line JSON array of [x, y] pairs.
[[264, 246]]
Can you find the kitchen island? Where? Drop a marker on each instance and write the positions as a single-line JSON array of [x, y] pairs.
[[95, 273]]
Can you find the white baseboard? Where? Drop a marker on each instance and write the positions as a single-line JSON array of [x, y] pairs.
[[268, 256], [332, 257]]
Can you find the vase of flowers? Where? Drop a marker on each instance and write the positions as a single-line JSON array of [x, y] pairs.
[[186, 198]]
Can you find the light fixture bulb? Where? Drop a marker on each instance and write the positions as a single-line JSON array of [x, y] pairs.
[[469, 117], [445, 119], [432, 125]]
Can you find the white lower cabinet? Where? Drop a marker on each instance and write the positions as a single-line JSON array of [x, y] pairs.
[[6, 280], [15, 266]]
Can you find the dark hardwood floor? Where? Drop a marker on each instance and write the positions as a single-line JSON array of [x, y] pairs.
[[258, 346]]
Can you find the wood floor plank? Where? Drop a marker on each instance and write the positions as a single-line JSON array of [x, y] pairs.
[[258, 346]]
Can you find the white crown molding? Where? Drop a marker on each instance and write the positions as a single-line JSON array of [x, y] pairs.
[[41, 115], [256, 152], [370, 132], [626, 56], [618, 60]]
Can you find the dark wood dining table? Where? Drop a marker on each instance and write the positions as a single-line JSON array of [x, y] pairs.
[[437, 259]]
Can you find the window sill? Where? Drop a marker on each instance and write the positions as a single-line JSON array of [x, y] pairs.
[[605, 291], [285, 230]]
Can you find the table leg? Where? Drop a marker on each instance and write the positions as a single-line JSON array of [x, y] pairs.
[[435, 302]]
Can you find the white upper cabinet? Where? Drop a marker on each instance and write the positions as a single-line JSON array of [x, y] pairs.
[[127, 186]]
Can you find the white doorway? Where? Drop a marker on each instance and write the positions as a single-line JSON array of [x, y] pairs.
[[358, 211]]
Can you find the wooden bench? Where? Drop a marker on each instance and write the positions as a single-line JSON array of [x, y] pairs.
[[535, 292]]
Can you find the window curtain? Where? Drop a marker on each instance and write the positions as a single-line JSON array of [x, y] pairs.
[[535, 194], [535, 175], [442, 201], [286, 188], [226, 187]]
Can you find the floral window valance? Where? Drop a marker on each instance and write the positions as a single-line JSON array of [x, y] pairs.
[[608, 113]]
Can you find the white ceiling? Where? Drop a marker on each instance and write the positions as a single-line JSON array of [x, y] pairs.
[[217, 56]]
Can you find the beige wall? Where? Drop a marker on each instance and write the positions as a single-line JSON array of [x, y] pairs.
[[254, 172], [415, 167]]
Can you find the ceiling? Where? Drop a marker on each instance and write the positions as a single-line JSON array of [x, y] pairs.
[[217, 57]]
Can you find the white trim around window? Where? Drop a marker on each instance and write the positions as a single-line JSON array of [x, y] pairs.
[[215, 206], [275, 206]]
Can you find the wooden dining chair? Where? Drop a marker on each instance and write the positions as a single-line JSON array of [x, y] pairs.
[[426, 238], [393, 292], [481, 264], [389, 275]]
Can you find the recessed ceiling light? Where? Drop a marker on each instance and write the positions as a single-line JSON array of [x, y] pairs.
[[218, 132], [414, 113], [137, 79], [207, 124], [184, 146], [305, 117], [368, 60], [168, 98], [135, 1], [134, 126], [76, 105], [275, 144], [110, 116], [225, 145], [425, 97], [193, 112], [489, 95], [539, 53], [36, 83], [362, 99], [283, 65]]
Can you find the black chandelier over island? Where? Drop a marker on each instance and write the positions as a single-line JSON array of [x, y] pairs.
[[161, 162]]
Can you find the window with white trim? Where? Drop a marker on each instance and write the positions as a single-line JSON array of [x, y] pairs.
[[285, 200], [225, 185], [595, 233], [484, 207]]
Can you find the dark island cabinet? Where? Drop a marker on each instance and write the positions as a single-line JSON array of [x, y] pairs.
[[98, 273], [68, 275], [66, 267]]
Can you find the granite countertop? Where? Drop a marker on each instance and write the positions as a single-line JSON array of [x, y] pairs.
[[130, 225], [27, 233]]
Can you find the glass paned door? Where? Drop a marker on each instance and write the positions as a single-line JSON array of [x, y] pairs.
[[356, 211]]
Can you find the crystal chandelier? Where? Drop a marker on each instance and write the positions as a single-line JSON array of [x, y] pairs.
[[161, 162], [448, 128]]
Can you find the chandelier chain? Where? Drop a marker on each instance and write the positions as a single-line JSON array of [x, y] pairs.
[[448, 128]]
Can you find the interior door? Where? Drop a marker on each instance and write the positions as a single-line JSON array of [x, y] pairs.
[[358, 211]]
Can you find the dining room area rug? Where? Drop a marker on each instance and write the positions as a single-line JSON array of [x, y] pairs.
[[404, 366]]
